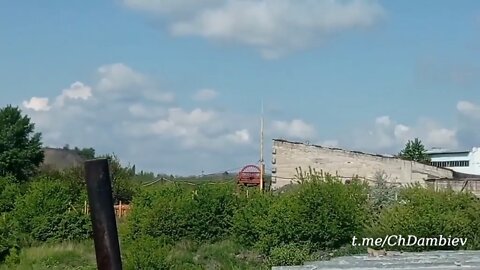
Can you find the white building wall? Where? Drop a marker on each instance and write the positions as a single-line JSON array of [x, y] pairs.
[[287, 156], [473, 157]]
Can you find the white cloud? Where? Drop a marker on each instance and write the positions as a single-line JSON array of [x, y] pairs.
[[153, 95], [442, 137], [387, 135], [76, 91], [239, 136], [140, 127], [37, 104], [182, 123], [118, 76], [274, 27], [383, 120], [296, 128], [469, 109], [205, 94], [402, 133]]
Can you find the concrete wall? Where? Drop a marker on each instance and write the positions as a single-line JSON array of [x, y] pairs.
[[287, 156], [471, 185]]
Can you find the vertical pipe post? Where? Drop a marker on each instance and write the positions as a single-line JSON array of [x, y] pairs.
[[102, 213], [261, 152]]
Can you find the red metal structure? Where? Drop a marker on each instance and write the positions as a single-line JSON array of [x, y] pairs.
[[249, 176]]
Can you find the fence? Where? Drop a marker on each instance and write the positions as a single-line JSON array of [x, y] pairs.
[[121, 210]]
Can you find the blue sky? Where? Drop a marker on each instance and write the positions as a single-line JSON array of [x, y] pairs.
[[176, 85]]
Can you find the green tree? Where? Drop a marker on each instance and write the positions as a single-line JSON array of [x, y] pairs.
[[86, 153], [20, 146], [415, 151]]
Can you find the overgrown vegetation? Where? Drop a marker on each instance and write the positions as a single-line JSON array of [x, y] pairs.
[[210, 224]]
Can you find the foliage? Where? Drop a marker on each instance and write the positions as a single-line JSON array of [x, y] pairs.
[[176, 211], [428, 213], [147, 253], [212, 210], [8, 236], [20, 147], [9, 190], [289, 254], [123, 184], [415, 151], [49, 211], [382, 193], [250, 221], [322, 213]]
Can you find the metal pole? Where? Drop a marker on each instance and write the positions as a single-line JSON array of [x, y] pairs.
[[261, 151], [107, 248]]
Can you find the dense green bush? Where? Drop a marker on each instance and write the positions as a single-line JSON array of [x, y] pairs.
[[212, 212], [9, 238], [163, 211], [250, 220], [321, 212], [147, 253], [49, 210], [290, 254], [176, 211], [426, 213], [9, 190]]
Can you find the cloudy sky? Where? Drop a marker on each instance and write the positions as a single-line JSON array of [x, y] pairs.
[[176, 86]]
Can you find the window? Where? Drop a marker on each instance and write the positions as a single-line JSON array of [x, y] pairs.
[[455, 163]]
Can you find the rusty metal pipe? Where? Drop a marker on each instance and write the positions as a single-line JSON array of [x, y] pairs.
[[105, 235]]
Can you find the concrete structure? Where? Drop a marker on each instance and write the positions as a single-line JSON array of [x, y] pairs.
[[467, 162], [288, 156], [60, 159], [470, 184]]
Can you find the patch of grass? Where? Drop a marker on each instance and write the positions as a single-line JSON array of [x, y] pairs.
[[220, 255], [79, 256]]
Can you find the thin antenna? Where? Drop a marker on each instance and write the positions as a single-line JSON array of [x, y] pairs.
[[262, 166]]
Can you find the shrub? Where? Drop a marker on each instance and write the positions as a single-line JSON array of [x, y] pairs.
[[159, 212], [287, 255], [176, 211], [8, 236], [428, 213], [250, 220], [48, 211], [147, 253], [9, 190], [321, 212], [212, 211]]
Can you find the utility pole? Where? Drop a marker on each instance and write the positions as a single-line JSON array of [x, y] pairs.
[[262, 165]]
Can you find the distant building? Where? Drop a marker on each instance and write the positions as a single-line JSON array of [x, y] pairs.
[[467, 162]]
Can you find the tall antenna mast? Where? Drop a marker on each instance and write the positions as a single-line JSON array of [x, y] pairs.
[[262, 165]]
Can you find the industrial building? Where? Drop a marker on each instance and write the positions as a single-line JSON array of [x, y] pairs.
[[467, 162], [459, 170]]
